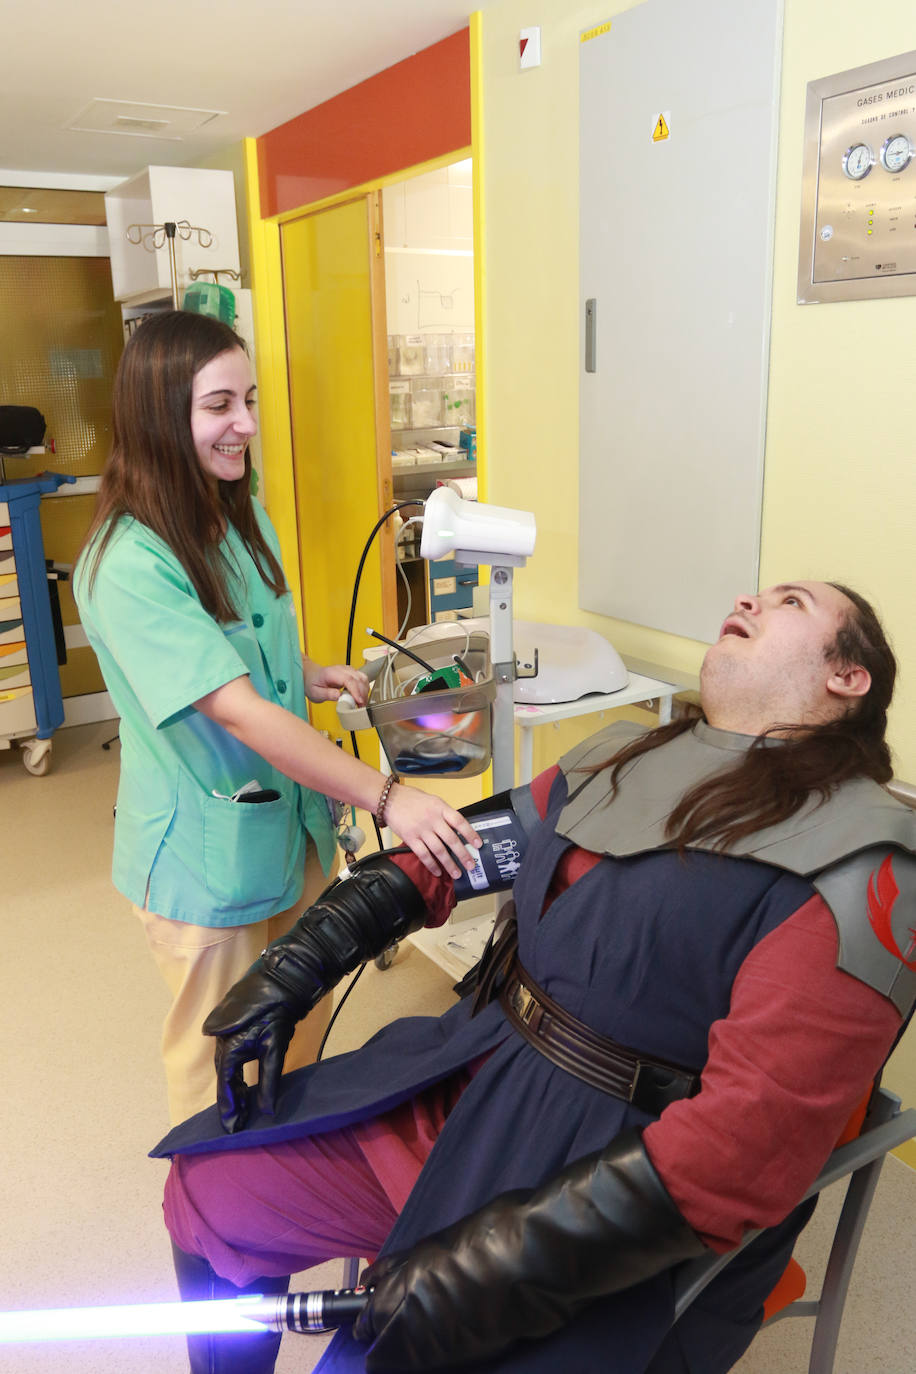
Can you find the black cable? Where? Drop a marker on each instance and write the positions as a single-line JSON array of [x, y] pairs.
[[399, 505], [336, 1012], [401, 648]]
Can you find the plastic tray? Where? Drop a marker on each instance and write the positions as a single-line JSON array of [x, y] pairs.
[[446, 733]]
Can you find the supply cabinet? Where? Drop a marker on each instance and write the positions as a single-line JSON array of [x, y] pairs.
[[31, 705], [451, 589]]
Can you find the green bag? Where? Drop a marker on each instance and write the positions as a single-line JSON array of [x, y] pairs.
[[209, 298]]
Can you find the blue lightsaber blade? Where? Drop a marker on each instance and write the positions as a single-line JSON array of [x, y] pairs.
[[301, 1312]]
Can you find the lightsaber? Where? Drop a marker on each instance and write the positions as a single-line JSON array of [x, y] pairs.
[[305, 1313]]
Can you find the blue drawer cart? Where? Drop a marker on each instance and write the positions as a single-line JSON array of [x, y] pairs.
[[451, 589], [31, 705]]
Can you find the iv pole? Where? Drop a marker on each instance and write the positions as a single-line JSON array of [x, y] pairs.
[[478, 533], [154, 236]]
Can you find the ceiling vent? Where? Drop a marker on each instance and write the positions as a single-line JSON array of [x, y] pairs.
[[138, 120]]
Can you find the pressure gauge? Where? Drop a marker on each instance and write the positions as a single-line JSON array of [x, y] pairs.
[[896, 153], [858, 161]]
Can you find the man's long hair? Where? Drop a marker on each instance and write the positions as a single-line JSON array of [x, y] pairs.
[[769, 783], [154, 473]]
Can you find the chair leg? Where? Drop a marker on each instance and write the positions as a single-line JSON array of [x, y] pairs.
[[212, 1353], [843, 1252]]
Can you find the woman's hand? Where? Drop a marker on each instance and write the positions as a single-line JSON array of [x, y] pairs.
[[326, 684], [435, 831]]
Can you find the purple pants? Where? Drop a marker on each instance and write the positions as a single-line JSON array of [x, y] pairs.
[[274, 1210]]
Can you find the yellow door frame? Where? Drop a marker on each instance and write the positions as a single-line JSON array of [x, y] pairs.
[[271, 357]]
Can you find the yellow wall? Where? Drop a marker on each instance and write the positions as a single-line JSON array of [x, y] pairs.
[[839, 487], [840, 481], [232, 158]]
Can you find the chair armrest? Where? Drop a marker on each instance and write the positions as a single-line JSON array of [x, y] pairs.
[[886, 1127]]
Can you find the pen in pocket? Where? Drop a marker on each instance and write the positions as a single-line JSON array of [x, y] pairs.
[[251, 792]]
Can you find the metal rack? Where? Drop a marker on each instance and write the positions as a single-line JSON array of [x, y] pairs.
[[153, 237]]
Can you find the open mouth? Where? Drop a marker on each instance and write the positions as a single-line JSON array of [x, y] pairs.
[[733, 627]]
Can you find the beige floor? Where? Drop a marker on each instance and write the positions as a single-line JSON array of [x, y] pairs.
[[84, 1101]]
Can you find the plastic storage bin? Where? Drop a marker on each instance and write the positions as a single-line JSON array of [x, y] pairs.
[[399, 401], [458, 402], [426, 402], [437, 354]]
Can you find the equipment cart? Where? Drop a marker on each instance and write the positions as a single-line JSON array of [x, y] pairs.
[[31, 637]]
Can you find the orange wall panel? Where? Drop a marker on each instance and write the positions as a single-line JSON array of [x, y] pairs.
[[410, 113]]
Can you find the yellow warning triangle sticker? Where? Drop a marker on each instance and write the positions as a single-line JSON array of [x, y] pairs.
[[661, 130]]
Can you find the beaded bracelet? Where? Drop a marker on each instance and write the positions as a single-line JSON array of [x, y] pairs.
[[383, 799]]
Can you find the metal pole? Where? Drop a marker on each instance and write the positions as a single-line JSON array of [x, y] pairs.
[[502, 659], [170, 227]]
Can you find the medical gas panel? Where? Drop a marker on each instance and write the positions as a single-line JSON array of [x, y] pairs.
[[858, 227], [678, 121]]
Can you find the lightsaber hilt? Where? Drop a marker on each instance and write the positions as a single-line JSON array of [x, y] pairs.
[[251, 1313], [309, 1313]]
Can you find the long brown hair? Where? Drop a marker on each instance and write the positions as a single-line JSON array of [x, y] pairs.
[[770, 784], [153, 472]]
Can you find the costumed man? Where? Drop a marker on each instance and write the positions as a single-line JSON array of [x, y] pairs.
[[710, 958]]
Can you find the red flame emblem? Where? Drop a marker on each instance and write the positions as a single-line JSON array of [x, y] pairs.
[[882, 894]]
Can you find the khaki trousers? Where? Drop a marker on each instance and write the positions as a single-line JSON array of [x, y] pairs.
[[199, 965]]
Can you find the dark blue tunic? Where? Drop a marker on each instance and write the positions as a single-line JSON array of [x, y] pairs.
[[643, 949]]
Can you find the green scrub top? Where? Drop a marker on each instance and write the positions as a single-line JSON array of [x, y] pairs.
[[181, 847]]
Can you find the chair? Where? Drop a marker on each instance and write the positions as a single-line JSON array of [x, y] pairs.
[[885, 1127]]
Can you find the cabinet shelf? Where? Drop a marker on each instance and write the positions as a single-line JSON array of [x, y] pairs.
[[429, 376], [427, 474], [426, 429]]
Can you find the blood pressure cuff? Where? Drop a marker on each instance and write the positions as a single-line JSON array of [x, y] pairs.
[[504, 823]]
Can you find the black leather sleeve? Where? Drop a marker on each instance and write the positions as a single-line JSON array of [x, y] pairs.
[[523, 1265], [356, 919], [353, 921]]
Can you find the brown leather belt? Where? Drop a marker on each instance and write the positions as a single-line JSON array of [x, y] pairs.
[[649, 1083]]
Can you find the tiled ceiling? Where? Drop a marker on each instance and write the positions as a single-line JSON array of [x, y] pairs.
[[246, 68]]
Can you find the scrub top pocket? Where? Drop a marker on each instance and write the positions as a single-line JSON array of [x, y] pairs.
[[247, 849]]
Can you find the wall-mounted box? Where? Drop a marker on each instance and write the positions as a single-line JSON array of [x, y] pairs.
[[858, 223]]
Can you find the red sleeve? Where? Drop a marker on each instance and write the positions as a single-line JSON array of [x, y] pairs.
[[540, 789], [438, 893], [787, 1067]]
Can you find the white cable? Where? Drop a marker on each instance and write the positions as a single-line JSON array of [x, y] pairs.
[[404, 578], [412, 520]]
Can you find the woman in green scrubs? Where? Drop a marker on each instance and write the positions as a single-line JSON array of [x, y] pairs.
[[223, 797]]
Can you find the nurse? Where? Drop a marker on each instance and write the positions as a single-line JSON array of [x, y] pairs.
[[223, 796]]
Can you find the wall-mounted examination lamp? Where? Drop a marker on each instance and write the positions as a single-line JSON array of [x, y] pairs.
[[477, 533], [474, 532]]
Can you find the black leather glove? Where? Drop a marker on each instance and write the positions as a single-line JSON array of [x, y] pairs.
[[353, 921], [522, 1266]]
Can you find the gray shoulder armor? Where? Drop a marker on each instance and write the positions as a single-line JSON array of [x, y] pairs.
[[600, 746], [872, 896]]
